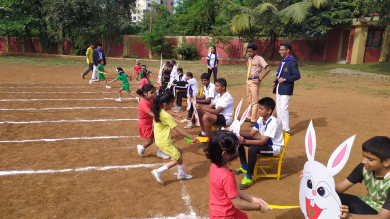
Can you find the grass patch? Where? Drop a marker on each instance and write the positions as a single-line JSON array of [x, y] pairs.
[[337, 82], [381, 92], [306, 85]]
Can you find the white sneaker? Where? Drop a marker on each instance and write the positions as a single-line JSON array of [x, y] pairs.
[[118, 100], [90, 82], [139, 82], [185, 120], [108, 87], [141, 150], [138, 99], [157, 176], [178, 110], [185, 176], [162, 155], [190, 126]]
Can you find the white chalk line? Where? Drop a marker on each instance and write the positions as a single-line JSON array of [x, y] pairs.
[[73, 108], [67, 139], [23, 100], [77, 120], [84, 92], [81, 169]]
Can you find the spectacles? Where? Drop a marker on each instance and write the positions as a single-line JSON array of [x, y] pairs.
[[281, 50]]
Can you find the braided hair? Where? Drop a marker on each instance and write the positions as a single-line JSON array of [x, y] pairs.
[[163, 96]]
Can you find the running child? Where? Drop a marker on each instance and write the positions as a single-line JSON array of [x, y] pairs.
[[226, 200], [101, 71], [145, 79], [143, 71], [163, 123], [145, 122], [137, 69], [123, 77]]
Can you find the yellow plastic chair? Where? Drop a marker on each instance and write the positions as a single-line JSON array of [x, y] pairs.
[[279, 157]]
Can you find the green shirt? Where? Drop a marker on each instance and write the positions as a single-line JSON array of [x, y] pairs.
[[123, 78], [100, 68], [377, 190], [141, 74]]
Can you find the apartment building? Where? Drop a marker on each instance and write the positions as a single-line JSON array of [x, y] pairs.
[[144, 6]]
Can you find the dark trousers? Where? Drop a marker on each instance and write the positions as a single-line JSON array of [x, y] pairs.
[[214, 70], [90, 68], [180, 95], [253, 151], [356, 205]]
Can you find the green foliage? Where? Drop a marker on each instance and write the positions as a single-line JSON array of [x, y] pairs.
[[189, 51], [371, 8]]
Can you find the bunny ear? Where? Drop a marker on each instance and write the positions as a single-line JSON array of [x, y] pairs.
[[245, 114], [340, 156], [237, 110], [310, 142]]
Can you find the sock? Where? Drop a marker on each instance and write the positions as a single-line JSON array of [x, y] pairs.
[[244, 166], [247, 176], [181, 171], [203, 133], [162, 169]]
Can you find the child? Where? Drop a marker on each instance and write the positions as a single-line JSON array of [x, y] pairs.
[[123, 77], [226, 200], [143, 71], [101, 71], [137, 69], [271, 142], [145, 80], [193, 87], [163, 123], [145, 122], [166, 75]]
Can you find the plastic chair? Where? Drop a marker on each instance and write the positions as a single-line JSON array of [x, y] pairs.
[[279, 157]]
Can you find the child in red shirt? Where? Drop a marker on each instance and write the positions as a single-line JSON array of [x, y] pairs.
[[226, 200], [145, 79], [137, 69]]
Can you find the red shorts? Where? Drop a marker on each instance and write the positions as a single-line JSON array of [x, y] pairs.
[[145, 131]]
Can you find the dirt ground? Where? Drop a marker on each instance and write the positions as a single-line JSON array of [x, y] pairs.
[[340, 106]]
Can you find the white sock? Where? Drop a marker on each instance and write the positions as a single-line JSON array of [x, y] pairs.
[[162, 169], [181, 171], [203, 133]]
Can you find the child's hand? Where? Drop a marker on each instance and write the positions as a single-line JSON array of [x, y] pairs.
[[259, 201], [194, 139], [178, 116], [131, 78], [241, 140], [265, 208], [344, 210], [273, 85]]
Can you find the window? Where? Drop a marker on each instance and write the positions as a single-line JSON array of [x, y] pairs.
[[374, 38], [149, 5], [134, 18], [161, 2], [172, 3]]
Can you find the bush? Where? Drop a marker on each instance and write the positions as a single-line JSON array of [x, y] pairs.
[[188, 51]]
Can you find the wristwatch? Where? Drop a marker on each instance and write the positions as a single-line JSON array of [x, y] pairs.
[[259, 79], [284, 79]]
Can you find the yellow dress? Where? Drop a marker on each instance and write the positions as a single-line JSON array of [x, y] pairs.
[[162, 135]]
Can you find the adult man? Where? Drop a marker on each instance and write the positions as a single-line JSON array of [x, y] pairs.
[[88, 54], [283, 86], [97, 54], [255, 65]]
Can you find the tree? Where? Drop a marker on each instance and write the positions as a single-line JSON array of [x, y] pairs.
[[371, 8]]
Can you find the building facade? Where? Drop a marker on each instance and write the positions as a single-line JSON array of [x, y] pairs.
[[144, 6]]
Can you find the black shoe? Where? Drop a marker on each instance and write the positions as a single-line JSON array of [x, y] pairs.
[[201, 135], [247, 120], [82, 75], [252, 124]]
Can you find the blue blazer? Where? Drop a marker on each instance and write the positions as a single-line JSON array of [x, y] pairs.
[[291, 73]]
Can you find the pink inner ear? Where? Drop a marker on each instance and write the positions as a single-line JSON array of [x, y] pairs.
[[310, 145], [339, 157], [237, 110], [245, 114]]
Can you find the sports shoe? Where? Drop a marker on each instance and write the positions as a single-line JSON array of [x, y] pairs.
[[240, 171], [139, 82], [157, 176], [186, 120], [118, 100], [108, 87], [252, 124], [185, 176], [90, 82], [245, 183], [174, 107], [190, 126], [162, 155], [178, 109], [82, 75], [141, 150], [138, 99], [201, 135]]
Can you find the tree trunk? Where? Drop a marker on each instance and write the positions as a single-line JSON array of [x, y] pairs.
[[110, 41], [27, 30], [273, 43]]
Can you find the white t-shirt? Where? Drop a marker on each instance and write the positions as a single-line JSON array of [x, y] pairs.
[[193, 85], [210, 92], [213, 57], [272, 129], [225, 101]]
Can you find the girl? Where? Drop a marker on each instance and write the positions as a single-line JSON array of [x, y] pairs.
[[101, 71], [145, 79], [145, 121], [137, 69], [226, 200], [123, 77], [163, 123], [212, 62]]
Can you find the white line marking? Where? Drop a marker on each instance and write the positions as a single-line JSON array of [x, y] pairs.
[[78, 120], [74, 108], [65, 139], [58, 92], [6, 100], [81, 169]]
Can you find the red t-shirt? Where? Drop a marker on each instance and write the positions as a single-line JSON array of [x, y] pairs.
[[143, 82], [223, 187], [144, 107], [137, 69]]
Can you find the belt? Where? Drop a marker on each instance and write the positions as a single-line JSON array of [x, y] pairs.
[[253, 78]]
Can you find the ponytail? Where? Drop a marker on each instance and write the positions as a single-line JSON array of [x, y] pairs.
[[146, 88], [163, 96]]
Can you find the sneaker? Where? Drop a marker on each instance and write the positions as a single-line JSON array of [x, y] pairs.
[[247, 120], [157, 176], [162, 155], [174, 107], [139, 82], [118, 100], [90, 82], [240, 171], [185, 176], [108, 87], [178, 110], [245, 183], [201, 134], [141, 150], [185, 120], [190, 126], [252, 124], [138, 99], [82, 75]]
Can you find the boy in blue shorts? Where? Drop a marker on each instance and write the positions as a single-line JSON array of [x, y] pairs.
[[101, 76]]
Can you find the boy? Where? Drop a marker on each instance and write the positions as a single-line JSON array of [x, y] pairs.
[[375, 171], [88, 54], [271, 142], [101, 71], [219, 112], [166, 75], [97, 54], [206, 98], [192, 90], [255, 65]]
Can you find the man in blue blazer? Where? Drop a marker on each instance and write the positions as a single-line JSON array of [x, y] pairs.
[[283, 86]]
